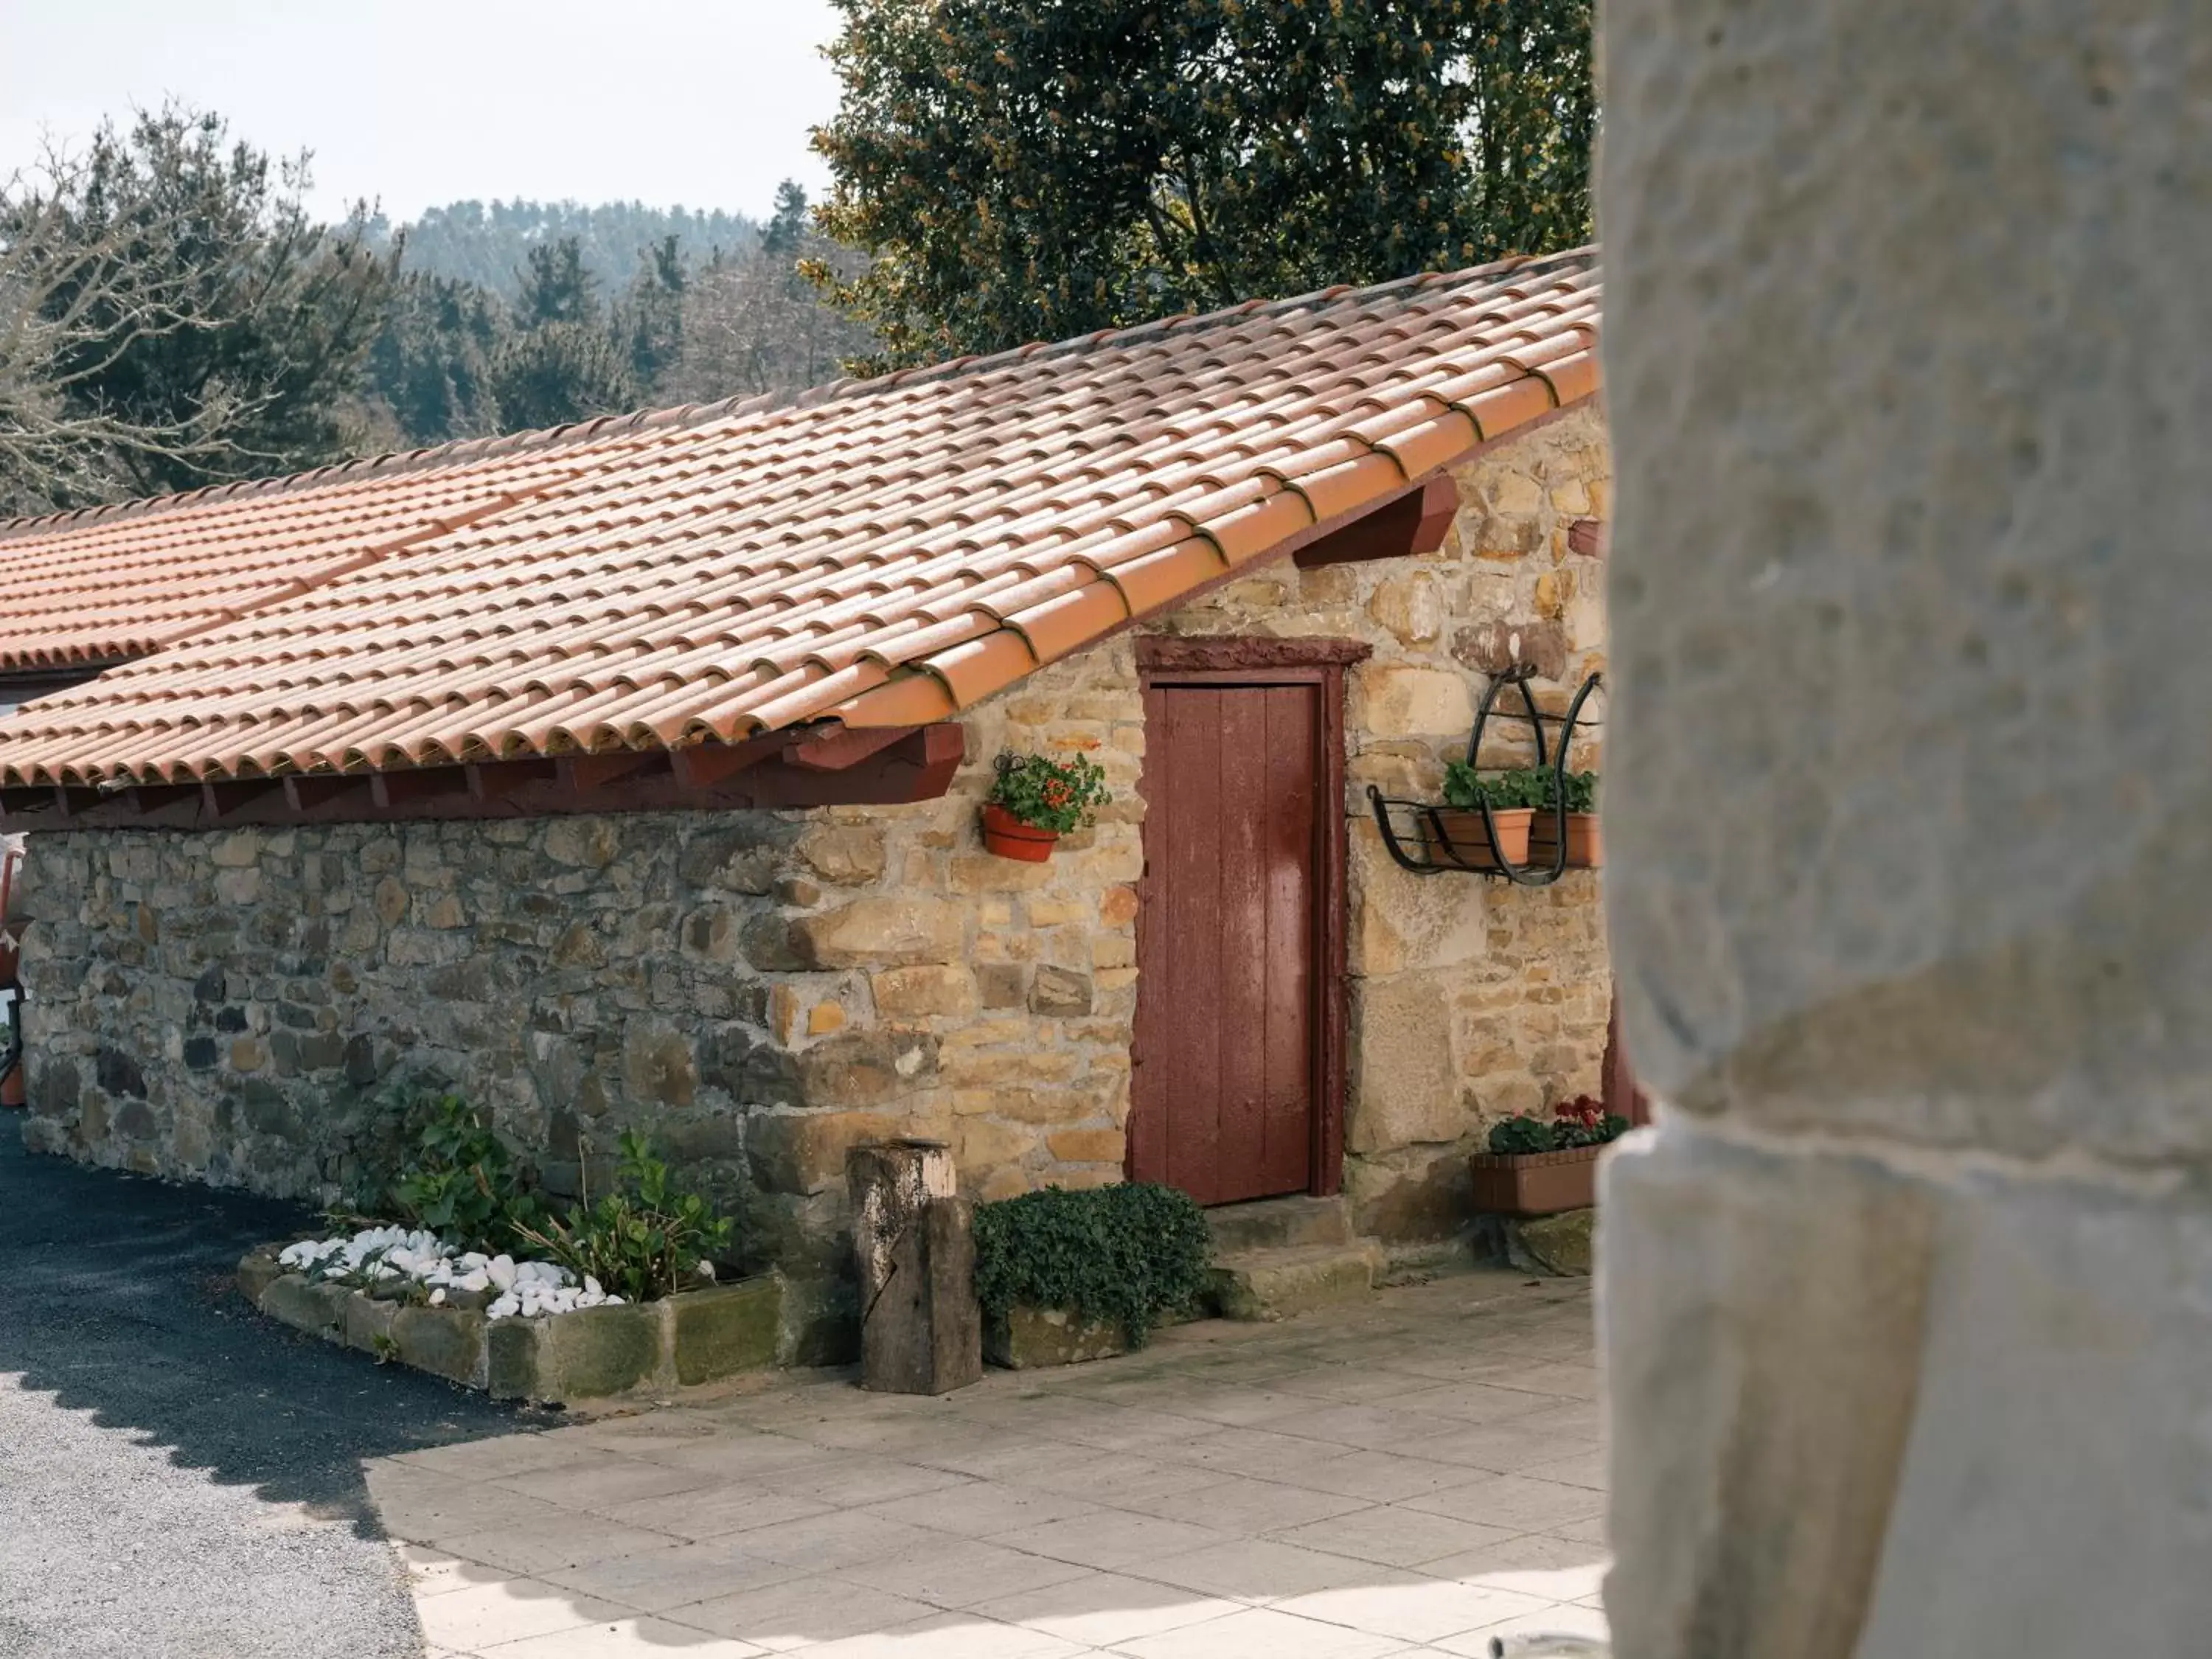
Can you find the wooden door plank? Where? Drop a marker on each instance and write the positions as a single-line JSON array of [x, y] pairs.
[[1242, 1038], [1148, 1055], [1286, 1162], [1193, 999]]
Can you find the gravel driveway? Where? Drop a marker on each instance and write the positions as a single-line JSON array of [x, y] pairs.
[[181, 1479]]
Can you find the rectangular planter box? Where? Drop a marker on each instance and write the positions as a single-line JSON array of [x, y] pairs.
[[695, 1336], [1535, 1184], [1469, 840], [1029, 1337], [1585, 848]]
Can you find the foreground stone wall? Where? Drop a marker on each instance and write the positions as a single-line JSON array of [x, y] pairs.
[[763, 990], [1908, 1337]]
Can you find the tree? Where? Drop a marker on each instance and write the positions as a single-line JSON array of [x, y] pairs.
[[192, 280], [429, 367], [753, 322], [561, 363], [1025, 169], [649, 320]]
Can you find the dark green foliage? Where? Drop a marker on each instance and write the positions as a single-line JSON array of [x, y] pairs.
[[459, 1179], [642, 1240], [1127, 1254], [1049, 794], [648, 319], [1582, 1122], [1526, 786], [268, 314], [1031, 169], [431, 362]]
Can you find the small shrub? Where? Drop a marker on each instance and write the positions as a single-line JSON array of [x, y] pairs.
[[1581, 1121], [1049, 794], [643, 1241], [1127, 1254], [460, 1182]]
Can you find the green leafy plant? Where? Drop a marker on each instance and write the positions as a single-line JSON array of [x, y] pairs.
[[460, 1181], [1582, 1122], [1049, 794], [1524, 786], [643, 1241], [1127, 1254], [1467, 788]]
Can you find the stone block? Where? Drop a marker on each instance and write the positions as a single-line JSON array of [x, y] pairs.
[[511, 1355], [1557, 1245], [1002, 984], [728, 1329], [928, 990], [867, 1068], [257, 1271], [658, 1065], [447, 1342], [1024, 1338], [1088, 1145], [1059, 993], [1405, 1085], [805, 1153], [1411, 606], [368, 1325], [1395, 700], [881, 933], [845, 855], [318, 1309], [597, 1352]]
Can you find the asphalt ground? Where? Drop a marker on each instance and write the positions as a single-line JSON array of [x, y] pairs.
[[179, 1477]]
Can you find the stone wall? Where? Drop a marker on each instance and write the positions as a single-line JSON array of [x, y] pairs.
[[763, 990]]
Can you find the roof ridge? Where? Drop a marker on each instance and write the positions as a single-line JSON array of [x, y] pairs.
[[458, 451]]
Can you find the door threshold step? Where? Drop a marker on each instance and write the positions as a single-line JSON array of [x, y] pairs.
[[1286, 1280], [1279, 1223]]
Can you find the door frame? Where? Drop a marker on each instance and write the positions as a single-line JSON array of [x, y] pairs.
[[1238, 659]]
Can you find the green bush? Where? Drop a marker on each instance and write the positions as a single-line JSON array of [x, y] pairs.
[[1582, 1122], [643, 1241], [1127, 1254], [459, 1179]]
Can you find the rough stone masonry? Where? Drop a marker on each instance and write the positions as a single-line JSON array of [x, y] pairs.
[[763, 991], [1906, 1302]]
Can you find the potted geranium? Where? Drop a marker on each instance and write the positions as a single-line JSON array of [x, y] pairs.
[[1585, 850], [1539, 1166], [1512, 797], [1035, 800]]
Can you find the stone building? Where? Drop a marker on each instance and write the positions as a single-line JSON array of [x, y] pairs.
[[629, 774]]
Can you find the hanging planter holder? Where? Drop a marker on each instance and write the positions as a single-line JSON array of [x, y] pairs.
[[1008, 837], [1530, 847]]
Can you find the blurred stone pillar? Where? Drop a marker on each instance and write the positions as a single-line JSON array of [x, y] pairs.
[[1908, 817]]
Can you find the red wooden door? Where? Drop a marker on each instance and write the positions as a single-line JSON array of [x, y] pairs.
[[1223, 1092]]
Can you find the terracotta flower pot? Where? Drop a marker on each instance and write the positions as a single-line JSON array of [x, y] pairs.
[[1470, 842], [1010, 838], [1585, 850], [1535, 1184]]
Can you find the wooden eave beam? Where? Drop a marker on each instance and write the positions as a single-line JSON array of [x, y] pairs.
[[908, 765], [1416, 522]]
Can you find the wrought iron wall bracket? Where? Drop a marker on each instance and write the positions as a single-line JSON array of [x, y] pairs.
[[1430, 849]]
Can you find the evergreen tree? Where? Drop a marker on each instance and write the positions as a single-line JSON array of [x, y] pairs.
[[430, 365], [1026, 169]]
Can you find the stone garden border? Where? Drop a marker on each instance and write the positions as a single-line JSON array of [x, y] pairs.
[[693, 1337]]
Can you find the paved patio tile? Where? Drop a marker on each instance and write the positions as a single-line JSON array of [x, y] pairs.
[[1393, 1535], [1262, 1633], [1512, 1500], [1101, 1609], [482, 1615], [801, 1611], [1551, 1621], [625, 1638], [1396, 1477], [957, 1573]]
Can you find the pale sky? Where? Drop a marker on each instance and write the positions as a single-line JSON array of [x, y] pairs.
[[695, 102]]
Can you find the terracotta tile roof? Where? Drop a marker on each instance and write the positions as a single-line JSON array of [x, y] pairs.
[[882, 552]]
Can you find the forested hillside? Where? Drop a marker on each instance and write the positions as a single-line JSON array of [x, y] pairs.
[[489, 244]]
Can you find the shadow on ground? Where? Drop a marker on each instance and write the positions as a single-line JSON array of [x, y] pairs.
[[177, 1473]]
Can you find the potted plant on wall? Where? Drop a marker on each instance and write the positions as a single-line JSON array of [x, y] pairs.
[[1512, 797], [1537, 1166], [1585, 850], [1035, 800]]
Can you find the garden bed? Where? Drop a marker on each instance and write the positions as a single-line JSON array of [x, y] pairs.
[[590, 1353]]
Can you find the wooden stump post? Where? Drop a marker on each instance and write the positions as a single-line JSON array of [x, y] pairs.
[[921, 1331]]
